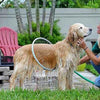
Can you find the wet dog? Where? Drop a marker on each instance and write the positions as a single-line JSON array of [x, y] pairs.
[[64, 55]]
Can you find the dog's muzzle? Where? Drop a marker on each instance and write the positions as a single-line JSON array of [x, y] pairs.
[[89, 33]]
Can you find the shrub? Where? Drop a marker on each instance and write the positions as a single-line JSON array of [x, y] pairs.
[[81, 67], [90, 68], [92, 4], [26, 38]]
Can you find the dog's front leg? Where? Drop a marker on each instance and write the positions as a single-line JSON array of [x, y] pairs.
[[62, 76], [68, 80], [62, 79]]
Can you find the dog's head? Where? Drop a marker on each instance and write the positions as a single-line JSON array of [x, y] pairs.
[[77, 31]]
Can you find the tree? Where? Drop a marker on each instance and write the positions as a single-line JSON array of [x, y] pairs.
[[37, 15], [29, 15], [44, 10], [52, 15], [18, 17]]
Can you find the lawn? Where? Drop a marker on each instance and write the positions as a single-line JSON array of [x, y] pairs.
[[76, 94]]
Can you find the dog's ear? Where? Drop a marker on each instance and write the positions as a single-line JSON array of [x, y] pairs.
[[72, 35]]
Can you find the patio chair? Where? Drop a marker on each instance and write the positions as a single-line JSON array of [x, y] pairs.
[[8, 46]]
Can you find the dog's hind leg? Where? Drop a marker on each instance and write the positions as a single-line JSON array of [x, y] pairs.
[[12, 80], [18, 69], [21, 80]]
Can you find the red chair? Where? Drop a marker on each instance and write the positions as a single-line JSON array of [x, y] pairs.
[[8, 46]]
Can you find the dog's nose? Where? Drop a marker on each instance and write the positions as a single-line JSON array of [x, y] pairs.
[[90, 29]]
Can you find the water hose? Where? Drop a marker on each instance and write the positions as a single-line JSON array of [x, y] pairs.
[[45, 68], [84, 77]]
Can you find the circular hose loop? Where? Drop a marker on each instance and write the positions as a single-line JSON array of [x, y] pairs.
[[40, 38]]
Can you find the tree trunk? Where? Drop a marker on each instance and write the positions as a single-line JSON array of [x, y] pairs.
[[52, 15], [29, 15], [18, 17], [44, 12], [37, 15]]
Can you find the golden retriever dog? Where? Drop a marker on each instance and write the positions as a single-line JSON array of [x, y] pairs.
[[63, 54]]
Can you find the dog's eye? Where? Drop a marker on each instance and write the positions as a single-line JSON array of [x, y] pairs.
[[80, 27]]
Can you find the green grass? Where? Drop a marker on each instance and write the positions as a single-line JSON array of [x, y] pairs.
[[90, 68], [20, 94]]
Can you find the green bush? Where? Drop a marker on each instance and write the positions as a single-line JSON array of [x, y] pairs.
[[90, 68], [91, 4], [81, 67], [59, 4], [26, 38]]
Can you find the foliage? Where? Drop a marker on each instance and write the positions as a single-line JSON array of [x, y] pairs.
[[59, 4], [81, 67], [73, 94], [10, 4], [75, 3], [91, 4], [90, 68], [26, 38], [44, 32]]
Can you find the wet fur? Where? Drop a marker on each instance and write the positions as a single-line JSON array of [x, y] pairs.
[[63, 54]]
